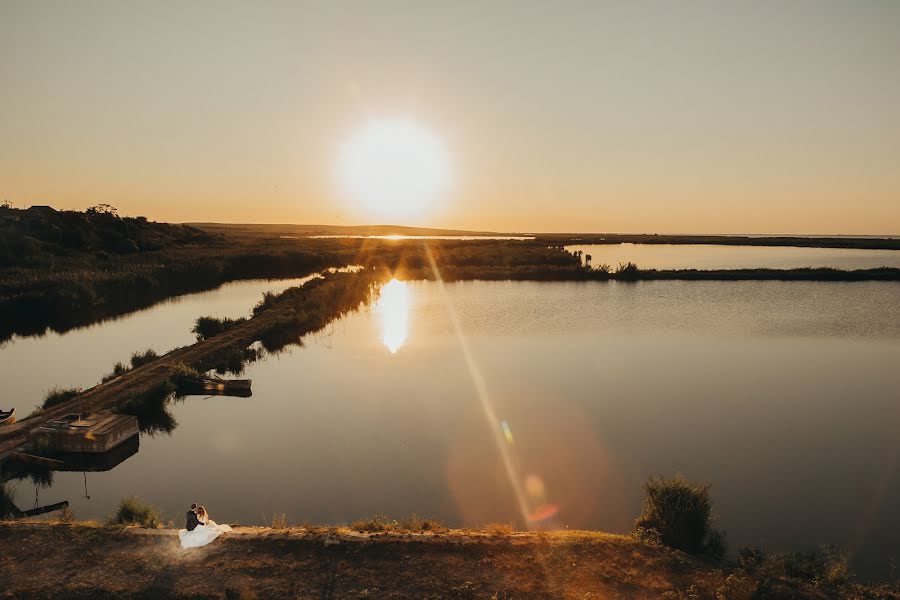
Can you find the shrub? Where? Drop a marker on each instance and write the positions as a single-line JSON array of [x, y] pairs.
[[681, 511], [138, 359], [59, 395], [118, 369], [207, 327], [627, 270], [499, 528], [132, 511], [182, 371], [826, 565], [376, 524], [268, 300], [416, 523], [382, 524]]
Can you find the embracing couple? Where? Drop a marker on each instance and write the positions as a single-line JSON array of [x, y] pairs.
[[200, 529]]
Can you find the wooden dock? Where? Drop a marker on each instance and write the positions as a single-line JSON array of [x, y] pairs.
[[96, 433]]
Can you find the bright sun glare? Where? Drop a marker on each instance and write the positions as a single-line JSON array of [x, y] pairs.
[[393, 304], [393, 169]]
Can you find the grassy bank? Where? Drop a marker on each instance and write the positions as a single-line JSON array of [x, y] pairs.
[[89, 560]]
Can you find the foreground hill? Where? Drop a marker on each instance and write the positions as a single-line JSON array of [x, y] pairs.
[[42, 560]]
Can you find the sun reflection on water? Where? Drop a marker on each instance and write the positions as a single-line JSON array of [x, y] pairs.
[[393, 305]]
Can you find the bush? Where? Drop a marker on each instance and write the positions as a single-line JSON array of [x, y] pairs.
[[59, 395], [118, 369], [681, 511], [139, 360], [132, 511], [627, 270], [267, 301], [207, 327], [826, 565], [381, 524], [499, 528]]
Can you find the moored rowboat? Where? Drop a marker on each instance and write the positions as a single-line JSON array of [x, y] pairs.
[[236, 387], [7, 416]]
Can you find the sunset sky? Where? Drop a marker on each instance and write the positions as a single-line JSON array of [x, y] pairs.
[[706, 117]]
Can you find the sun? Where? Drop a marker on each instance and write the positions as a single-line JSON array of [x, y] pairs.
[[393, 169]]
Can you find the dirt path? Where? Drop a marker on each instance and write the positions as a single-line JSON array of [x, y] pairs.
[[42, 560]]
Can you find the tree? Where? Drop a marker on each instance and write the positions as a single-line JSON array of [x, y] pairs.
[[103, 209]]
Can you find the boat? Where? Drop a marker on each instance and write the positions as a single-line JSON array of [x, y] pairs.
[[7, 416], [214, 385]]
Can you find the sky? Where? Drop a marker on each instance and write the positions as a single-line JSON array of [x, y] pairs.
[[638, 116]]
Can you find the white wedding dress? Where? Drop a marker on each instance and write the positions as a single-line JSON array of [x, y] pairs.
[[202, 534]]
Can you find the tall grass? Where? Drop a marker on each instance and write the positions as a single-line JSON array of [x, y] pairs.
[[132, 511], [382, 524], [138, 359], [58, 395], [681, 511], [207, 327]]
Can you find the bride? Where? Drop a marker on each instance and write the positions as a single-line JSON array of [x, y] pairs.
[[205, 532]]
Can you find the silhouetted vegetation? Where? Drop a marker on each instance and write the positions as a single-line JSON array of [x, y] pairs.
[[681, 512], [207, 327], [627, 270], [132, 511], [34, 237], [59, 395], [62, 269], [412, 524], [118, 369], [138, 359], [826, 563]]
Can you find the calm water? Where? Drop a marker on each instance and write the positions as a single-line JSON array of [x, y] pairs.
[[703, 256], [495, 401]]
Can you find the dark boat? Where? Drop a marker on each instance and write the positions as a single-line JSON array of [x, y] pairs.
[[216, 386], [7, 416]]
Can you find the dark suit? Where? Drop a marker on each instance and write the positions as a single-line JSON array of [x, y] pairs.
[[192, 521]]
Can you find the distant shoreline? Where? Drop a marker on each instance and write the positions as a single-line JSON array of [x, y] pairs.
[[865, 242]]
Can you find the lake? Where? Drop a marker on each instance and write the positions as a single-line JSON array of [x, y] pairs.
[[548, 403], [710, 256]]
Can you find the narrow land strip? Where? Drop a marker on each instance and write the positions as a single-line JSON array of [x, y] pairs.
[[306, 309]]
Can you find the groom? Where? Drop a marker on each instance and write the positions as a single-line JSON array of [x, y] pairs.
[[192, 520]]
